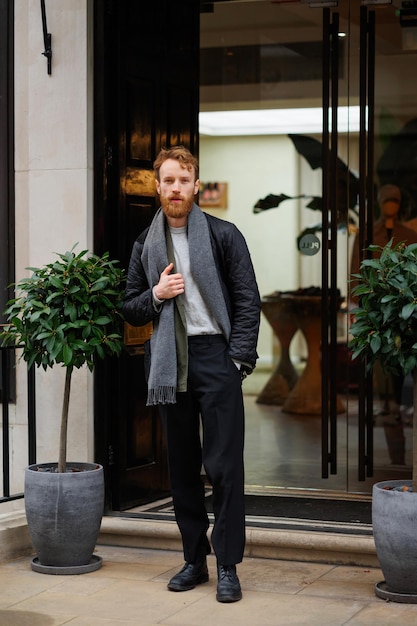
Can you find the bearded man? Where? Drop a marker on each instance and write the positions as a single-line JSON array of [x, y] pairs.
[[191, 275]]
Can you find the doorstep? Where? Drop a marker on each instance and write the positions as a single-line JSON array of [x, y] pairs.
[[263, 539], [14, 536], [270, 541]]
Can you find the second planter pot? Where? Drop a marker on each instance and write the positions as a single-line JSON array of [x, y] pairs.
[[394, 520]]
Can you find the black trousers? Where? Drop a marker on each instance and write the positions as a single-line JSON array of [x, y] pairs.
[[214, 394]]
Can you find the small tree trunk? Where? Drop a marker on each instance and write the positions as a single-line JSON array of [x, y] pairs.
[[62, 458], [414, 476]]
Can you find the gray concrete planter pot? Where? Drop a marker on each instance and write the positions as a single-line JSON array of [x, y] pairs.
[[394, 520], [64, 512]]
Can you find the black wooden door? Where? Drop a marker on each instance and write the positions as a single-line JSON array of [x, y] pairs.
[[146, 97]]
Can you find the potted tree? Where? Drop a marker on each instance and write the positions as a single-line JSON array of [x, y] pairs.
[[66, 313], [385, 330]]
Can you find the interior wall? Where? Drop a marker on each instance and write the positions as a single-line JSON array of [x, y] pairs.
[[54, 203], [253, 167]]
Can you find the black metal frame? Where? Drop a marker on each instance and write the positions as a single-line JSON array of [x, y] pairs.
[[8, 355], [7, 176], [329, 249], [330, 303], [7, 248]]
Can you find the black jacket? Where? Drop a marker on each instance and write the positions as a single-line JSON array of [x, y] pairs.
[[237, 278]]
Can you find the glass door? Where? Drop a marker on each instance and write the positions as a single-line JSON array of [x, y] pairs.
[[290, 95]]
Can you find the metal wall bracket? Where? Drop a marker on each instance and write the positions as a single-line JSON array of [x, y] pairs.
[[47, 39]]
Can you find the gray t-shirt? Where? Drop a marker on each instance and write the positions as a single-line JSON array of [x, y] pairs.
[[198, 318]]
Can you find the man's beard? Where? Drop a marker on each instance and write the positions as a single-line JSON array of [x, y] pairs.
[[176, 209]]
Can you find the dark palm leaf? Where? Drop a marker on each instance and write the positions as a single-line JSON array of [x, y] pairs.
[[316, 203], [312, 150], [270, 202]]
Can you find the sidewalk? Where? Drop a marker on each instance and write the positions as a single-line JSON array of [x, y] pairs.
[[130, 589]]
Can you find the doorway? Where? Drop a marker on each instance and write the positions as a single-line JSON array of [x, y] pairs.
[[270, 73]]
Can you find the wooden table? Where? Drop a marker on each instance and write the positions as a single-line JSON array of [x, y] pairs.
[[277, 311], [287, 313]]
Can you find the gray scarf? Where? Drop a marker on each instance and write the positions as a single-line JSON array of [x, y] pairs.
[[163, 380]]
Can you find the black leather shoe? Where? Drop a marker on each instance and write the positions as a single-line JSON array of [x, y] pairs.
[[192, 574], [228, 585]]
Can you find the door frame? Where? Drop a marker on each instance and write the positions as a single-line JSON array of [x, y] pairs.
[[146, 98]]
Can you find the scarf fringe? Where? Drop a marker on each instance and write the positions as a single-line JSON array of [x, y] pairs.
[[161, 395]]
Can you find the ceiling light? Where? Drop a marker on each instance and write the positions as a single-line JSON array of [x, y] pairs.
[[274, 121]]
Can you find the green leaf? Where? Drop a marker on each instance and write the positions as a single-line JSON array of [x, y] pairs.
[[56, 282], [102, 321], [99, 284], [71, 311], [408, 310], [67, 355], [356, 353], [375, 343]]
